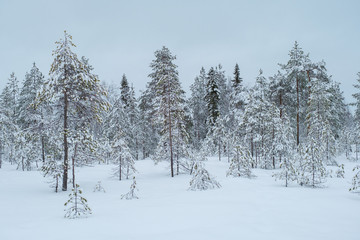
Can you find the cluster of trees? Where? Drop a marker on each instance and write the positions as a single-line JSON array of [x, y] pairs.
[[296, 120]]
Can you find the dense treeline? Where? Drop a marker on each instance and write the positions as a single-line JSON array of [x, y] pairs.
[[295, 120]]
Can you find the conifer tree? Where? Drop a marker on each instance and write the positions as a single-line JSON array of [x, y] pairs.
[[98, 187], [125, 91], [285, 147], [77, 204], [131, 194], [240, 165], [74, 91], [202, 180], [169, 106], [212, 97], [295, 73], [237, 80], [52, 169], [122, 157], [198, 108], [32, 120]]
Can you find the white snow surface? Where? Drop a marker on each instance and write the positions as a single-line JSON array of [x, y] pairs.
[[258, 208]]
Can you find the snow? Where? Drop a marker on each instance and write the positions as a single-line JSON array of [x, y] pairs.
[[258, 208]]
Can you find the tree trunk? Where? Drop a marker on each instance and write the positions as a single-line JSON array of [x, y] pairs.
[[66, 148], [1, 153], [219, 150], [280, 104], [297, 112], [73, 163], [120, 161], [43, 148], [170, 145], [273, 155]]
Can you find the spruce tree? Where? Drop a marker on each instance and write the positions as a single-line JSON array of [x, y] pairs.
[[212, 97], [237, 80]]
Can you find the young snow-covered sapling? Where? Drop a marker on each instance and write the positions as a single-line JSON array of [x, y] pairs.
[[77, 204], [131, 194], [98, 187]]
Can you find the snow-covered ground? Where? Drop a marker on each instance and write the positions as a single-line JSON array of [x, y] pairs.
[[257, 208]]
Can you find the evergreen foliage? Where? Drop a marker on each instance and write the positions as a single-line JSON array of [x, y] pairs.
[[202, 180], [77, 205]]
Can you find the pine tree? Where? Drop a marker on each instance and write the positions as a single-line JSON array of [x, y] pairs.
[[120, 153], [73, 90], [31, 120], [240, 165], [202, 180], [198, 108], [10, 96], [356, 179], [169, 106], [131, 194], [357, 98], [123, 158], [77, 204], [340, 172], [53, 169], [285, 148], [295, 74]]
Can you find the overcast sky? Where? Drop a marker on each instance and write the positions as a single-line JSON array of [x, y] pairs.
[[121, 36]]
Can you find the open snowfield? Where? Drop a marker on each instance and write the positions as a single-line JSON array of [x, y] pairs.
[[259, 208]]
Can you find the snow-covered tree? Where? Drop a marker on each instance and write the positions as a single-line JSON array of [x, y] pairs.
[[295, 74], [75, 94], [285, 149], [10, 96], [202, 180], [53, 169], [198, 108], [98, 187], [169, 107], [240, 165], [340, 172], [131, 194], [212, 97], [77, 205], [312, 169], [122, 156], [33, 120]]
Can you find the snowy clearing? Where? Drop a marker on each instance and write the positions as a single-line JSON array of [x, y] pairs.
[[259, 208]]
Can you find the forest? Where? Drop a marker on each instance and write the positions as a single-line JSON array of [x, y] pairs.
[[296, 121]]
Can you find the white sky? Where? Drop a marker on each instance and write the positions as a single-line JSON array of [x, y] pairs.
[[121, 36]]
